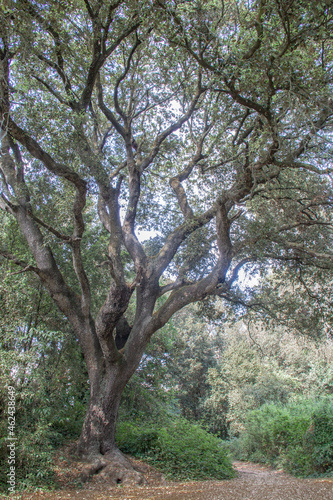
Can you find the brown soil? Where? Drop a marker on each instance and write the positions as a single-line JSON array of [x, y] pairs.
[[254, 482]]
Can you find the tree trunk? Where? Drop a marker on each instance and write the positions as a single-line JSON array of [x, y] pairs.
[[98, 432], [97, 441], [109, 371]]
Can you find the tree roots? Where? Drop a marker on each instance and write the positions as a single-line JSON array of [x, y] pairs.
[[114, 468]]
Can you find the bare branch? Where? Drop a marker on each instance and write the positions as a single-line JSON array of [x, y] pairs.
[[98, 59], [302, 166], [51, 90], [118, 170], [304, 250], [315, 127], [176, 238], [89, 9], [121, 78], [175, 126], [175, 182], [51, 229], [179, 283], [236, 269], [59, 66], [259, 28], [26, 267]]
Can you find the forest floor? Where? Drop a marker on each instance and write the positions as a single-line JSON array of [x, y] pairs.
[[253, 482]]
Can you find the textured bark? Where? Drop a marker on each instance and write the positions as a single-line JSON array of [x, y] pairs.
[[98, 432], [107, 382]]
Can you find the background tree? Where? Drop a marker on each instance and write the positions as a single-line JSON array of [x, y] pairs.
[[196, 348], [263, 364], [207, 122]]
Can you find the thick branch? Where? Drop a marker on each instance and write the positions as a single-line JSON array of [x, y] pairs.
[[47, 267], [111, 311], [175, 182], [108, 210], [37, 152], [98, 59], [107, 112], [78, 207], [182, 297], [240, 189], [132, 243], [223, 240]]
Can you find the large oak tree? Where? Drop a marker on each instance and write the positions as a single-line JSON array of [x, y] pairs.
[[209, 123]]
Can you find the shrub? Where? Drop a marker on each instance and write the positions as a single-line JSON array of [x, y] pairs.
[[136, 440], [297, 436], [33, 460], [181, 450]]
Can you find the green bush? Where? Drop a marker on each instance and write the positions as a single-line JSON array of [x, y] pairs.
[[136, 440], [297, 436], [181, 450], [33, 460]]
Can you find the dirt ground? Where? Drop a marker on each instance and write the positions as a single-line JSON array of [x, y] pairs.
[[254, 482]]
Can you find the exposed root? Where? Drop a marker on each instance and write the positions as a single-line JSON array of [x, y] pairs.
[[114, 468], [120, 470], [92, 468]]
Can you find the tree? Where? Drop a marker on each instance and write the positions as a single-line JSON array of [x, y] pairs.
[[263, 364], [196, 349], [206, 122]]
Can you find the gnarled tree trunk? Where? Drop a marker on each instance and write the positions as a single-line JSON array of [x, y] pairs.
[[108, 378], [98, 432]]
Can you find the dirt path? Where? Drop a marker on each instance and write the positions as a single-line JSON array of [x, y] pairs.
[[254, 482]]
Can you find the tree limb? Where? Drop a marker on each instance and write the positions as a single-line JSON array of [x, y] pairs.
[[26, 267]]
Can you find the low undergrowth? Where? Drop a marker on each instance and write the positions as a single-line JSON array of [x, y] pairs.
[[181, 450], [297, 437]]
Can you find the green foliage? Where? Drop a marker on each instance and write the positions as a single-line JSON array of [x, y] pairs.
[[135, 439], [179, 449], [151, 392], [41, 360], [297, 436], [264, 364], [48, 412], [258, 137], [321, 437], [186, 451], [195, 350]]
